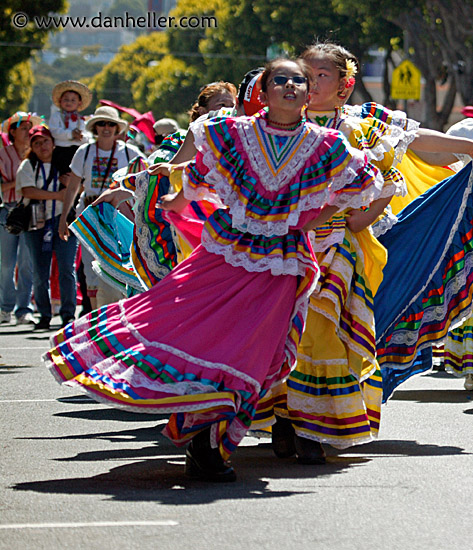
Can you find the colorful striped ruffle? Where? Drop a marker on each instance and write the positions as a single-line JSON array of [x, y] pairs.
[[427, 283], [382, 113], [108, 235], [334, 393], [289, 254], [458, 352], [308, 181], [153, 253]]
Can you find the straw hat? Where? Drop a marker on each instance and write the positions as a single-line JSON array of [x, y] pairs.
[[165, 126], [72, 86], [107, 114], [21, 116]]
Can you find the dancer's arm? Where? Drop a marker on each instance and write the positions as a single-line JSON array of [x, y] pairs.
[[114, 196], [176, 203], [444, 146], [357, 220], [325, 214]]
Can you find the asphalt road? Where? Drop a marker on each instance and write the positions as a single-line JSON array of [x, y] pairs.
[[77, 474]]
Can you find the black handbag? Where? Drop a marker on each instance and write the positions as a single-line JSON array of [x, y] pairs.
[[18, 219]]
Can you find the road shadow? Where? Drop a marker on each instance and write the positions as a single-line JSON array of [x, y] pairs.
[[433, 396], [108, 413], [162, 480], [394, 447], [14, 369]]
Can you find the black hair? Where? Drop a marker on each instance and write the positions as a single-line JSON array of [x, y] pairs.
[[337, 54]]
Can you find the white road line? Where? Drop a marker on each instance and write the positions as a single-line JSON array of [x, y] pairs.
[[164, 523], [27, 400], [36, 347]]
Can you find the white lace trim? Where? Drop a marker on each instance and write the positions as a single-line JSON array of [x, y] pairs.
[[385, 223], [327, 404], [321, 362], [146, 410], [437, 313], [276, 264], [111, 280], [334, 238], [143, 232], [251, 145], [402, 128], [247, 224], [186, 356], [338, 443]]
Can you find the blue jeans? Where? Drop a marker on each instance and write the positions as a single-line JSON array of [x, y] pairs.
[[13, 251], [65, 255]]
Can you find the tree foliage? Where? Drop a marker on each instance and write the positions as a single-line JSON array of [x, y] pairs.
[[115, 80], [18, 46], [71, 67], [18, 90], [439, 35]]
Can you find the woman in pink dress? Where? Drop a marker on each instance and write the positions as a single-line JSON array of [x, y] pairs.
[[223, 327]]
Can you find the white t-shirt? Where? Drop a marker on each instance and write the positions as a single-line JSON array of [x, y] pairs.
[[27, 177], [92, 168], [62, 135]]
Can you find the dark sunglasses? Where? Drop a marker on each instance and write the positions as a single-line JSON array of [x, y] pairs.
[[103, 123], [280, 80]]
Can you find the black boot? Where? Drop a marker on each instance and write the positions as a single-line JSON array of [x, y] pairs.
[[309, 451], [203, 462], [282, 438]]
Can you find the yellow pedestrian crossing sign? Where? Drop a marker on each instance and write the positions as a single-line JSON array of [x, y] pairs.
[[405, 82]]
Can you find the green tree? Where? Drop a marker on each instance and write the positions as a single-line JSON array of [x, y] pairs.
[[18, 44], [18, 91], [115, 80], [71, 67], [168, 88], [161, 71], [437, 36]]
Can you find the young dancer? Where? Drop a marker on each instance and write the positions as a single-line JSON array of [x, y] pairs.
[[223, 327], [334, 395]]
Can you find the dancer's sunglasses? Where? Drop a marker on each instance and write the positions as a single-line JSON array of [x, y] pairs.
[[280, 80]]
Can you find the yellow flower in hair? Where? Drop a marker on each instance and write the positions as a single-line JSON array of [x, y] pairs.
[[351, 68]]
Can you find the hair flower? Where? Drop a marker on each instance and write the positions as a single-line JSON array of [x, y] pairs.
[[350, 82], [350, 68]]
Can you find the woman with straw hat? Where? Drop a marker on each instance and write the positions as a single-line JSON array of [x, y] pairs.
[[93, 165]]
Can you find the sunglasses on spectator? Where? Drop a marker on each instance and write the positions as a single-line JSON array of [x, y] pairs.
[[103, 123], [280, 80]]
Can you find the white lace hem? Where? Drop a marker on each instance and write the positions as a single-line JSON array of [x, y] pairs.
[[277, 265]]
